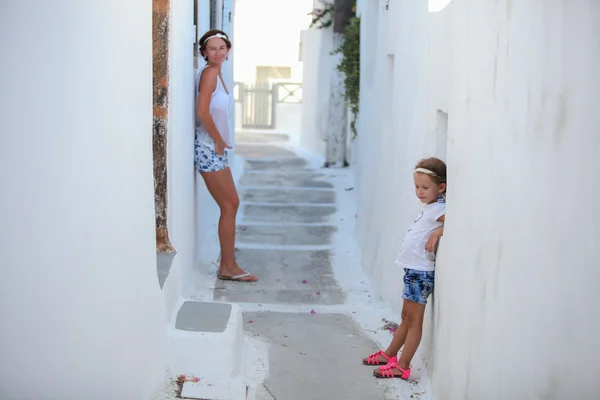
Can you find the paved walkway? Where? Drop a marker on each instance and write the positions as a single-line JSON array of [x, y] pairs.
[[285, 234]]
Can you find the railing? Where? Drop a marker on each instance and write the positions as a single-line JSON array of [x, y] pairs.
[[259, 102], [289, 92]]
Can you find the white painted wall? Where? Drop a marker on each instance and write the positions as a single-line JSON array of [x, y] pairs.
[[228, 26], [203, 17], [289, 120], [81, 309], [184, 199], [513, 313], [317, 63], [390, 138]]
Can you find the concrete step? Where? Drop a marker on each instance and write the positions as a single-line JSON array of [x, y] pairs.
[[208, 340]]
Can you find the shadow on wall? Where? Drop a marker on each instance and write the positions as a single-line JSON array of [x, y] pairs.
[[431, 319], [432, 312], [163, 266], [440, 133]]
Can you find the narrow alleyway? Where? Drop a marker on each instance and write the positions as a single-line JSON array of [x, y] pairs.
[[286, 232]]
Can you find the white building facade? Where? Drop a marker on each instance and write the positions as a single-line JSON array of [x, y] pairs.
[[504, 93], [82, 311], [317, 45], [81, 307]]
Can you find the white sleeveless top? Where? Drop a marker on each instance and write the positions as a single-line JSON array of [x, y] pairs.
[[220, 110]]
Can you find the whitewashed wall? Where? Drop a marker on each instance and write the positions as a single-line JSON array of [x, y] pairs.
[[81, 309], [203, 18], [390, 138], [228, 26], [181, 174], [317, 45], [513, 314], [289, 121]]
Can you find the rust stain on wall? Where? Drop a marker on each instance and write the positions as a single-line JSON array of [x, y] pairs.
[[160, 80]]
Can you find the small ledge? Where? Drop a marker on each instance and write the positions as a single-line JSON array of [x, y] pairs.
[[198, 316]]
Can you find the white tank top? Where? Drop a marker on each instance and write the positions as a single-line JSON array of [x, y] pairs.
[[220, 110]]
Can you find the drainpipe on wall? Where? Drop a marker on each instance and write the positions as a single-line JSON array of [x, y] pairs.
[[336, 150]]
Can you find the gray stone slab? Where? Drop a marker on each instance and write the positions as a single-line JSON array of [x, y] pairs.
[[264, 150], [285, 276], [198, 316], [293, 163], [250, 137], [287, 214], [290, 179], [285, 235], [288, 196], [315, 357], [163, 266]]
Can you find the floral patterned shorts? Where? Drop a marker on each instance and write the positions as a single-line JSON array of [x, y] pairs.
[[418, 285], [207, 160]]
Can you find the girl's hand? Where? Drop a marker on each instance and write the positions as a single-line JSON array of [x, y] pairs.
[[220, 147], [433, 240]]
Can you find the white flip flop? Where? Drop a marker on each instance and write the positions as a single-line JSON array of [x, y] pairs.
[[237, 278]]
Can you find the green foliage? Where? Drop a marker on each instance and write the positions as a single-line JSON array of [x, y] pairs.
[[350, 66], [322, 16]]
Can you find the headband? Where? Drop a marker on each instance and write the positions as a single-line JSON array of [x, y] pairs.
[[426, 171], [216, 35]]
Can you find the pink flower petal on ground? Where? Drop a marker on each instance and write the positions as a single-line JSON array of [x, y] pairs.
[[250, 321], [305, 281], [195, 379], [313, 312], [318, 293]]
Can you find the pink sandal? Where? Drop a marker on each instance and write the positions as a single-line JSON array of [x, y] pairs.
[[386, 371], [373, 359]]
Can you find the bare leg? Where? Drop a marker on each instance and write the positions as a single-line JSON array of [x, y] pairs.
[[408, 335], [398, 339], [221, 187], [415, 313]]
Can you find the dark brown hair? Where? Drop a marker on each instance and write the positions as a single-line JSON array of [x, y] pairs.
[[434, 165], [212, 32]]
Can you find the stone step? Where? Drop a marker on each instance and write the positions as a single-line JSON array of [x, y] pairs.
[[208, 340]]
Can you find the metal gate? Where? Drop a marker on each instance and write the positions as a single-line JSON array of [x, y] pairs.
[[259, 102], [258, 107]]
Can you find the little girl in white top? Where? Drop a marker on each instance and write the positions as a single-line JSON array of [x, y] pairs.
[[417, 257]]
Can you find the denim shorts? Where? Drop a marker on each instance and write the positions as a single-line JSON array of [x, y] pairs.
[[207, 160], [418, 285]]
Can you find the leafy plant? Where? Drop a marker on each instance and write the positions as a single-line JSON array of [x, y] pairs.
[[350, 66]]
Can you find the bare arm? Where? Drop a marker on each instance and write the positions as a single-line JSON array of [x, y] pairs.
[[206, 87], [433, 240]]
